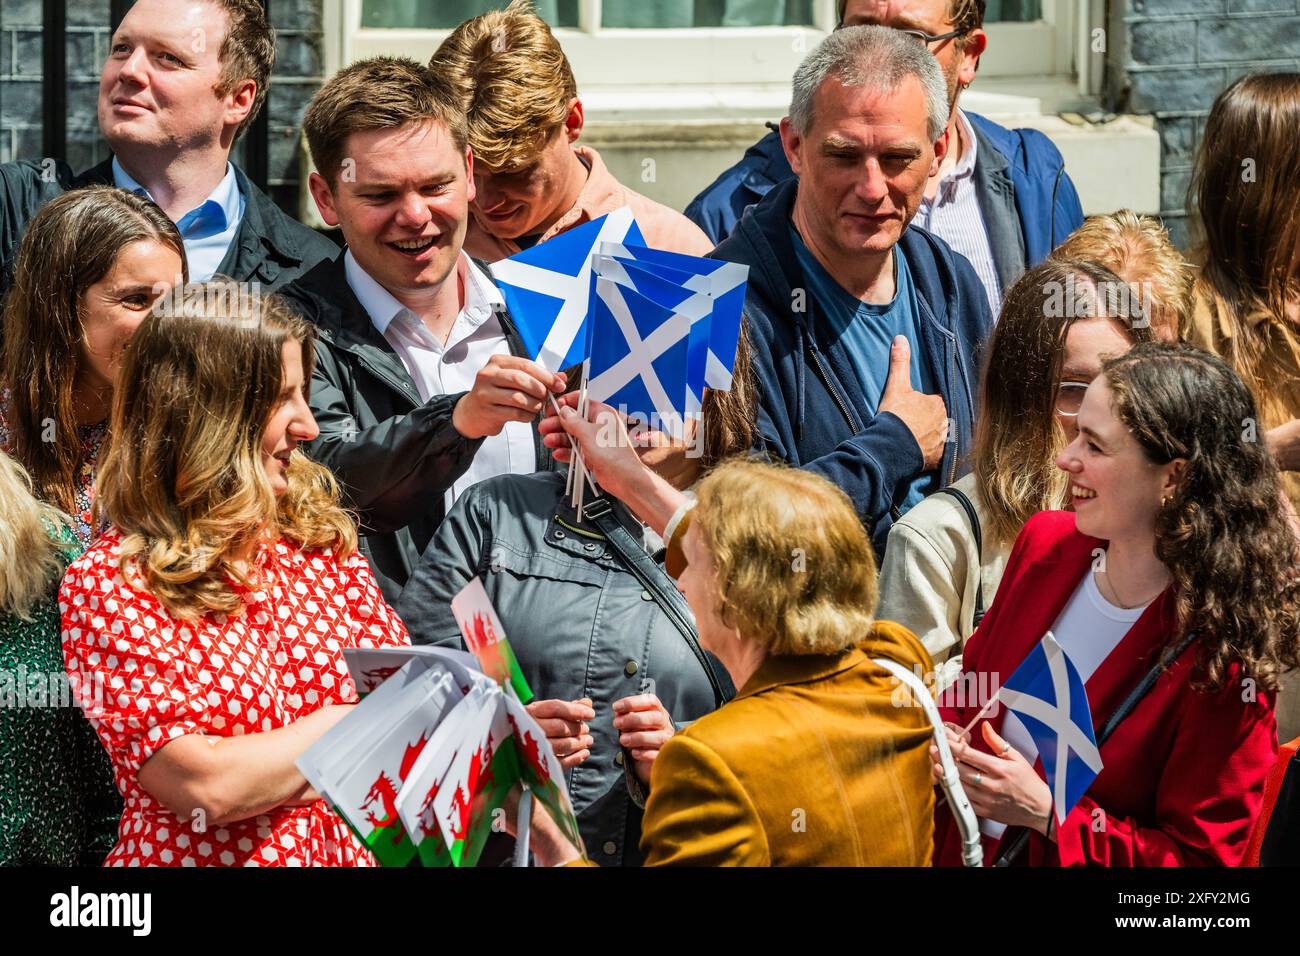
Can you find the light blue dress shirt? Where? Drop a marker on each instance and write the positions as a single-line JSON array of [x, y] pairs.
[[206, 231]]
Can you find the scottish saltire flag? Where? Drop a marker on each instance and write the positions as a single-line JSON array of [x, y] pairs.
[[723, 281], [639, 356], [665, 288], [547, 287], [1047, 694]]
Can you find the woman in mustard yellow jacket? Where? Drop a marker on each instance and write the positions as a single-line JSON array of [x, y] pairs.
[[820, 760]]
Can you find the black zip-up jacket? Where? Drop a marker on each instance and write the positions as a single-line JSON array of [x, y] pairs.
[[394, 455], [269, 247]]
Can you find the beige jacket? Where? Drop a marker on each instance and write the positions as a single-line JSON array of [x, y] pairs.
[[663, 228], [930, 574]]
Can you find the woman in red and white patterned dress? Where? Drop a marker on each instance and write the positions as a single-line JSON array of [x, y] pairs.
[[203, 632]]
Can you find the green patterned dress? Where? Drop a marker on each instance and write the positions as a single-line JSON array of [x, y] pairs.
[[58, 803]]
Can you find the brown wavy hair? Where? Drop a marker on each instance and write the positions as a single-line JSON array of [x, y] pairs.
[[183, 479], [70, 244], [1222, 535], [1249, 225], [1017, 436]]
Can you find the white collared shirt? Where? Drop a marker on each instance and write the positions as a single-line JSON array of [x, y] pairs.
[[207, 230], [445, 369], [954, 216]]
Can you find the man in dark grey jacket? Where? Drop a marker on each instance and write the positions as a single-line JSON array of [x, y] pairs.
[[420, 386], [171, 110]]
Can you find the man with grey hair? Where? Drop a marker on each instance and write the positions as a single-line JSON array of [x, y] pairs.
[[1002, 197], [865, 333]]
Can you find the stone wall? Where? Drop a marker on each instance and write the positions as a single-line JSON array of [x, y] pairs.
[[298, 72], [1174, 56]]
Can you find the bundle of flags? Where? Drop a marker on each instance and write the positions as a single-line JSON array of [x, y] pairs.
[[652, 328], [423, 766]]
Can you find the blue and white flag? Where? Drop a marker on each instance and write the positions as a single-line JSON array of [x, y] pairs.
[[665, 288], [639, 356], [547, 287], [1047, 694], [723, 281]]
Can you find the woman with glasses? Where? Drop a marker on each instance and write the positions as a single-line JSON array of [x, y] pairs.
[[944, 559]]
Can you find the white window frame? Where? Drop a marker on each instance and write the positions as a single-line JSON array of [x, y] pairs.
[[715, 57]]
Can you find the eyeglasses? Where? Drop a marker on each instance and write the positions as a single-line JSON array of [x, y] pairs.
[[925, 39], [1069, 397]]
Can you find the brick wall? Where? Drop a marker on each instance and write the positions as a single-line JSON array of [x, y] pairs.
[[298, 73], [1174, 56]]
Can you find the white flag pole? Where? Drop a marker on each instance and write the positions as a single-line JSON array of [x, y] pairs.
[[993, 702], [582, 465], [523, 823]]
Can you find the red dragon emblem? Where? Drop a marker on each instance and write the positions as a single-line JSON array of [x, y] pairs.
[[383, 791], [377, 675], [531, 754], [478, 779]]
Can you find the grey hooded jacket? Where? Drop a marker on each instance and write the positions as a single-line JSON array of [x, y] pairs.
[[580, 624]]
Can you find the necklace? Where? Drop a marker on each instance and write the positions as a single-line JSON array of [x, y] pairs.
[[1114, 598]]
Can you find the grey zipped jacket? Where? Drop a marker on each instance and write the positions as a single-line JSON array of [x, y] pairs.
[[394, 455], [580, 624]]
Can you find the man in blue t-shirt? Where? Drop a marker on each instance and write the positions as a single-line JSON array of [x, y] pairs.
[[865, 332]]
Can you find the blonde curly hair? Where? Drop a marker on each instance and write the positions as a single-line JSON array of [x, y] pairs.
[[31, 560], [795, 569]]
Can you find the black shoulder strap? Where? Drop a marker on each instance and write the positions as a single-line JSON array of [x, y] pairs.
[[969, 508], [1017, 846], [658, 586]]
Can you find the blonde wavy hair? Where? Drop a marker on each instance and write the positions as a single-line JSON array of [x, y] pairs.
[[1137, 249], [183, 478], [31, 561], [513, 82], [794, 566]]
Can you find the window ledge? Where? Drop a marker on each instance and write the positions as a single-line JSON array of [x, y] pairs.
[[693, 133]]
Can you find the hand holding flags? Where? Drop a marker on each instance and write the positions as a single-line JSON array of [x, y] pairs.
[[652, 328], [436, 746], [1048, 696]]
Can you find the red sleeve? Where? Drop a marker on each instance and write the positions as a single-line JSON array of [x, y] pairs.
[[1206, 798], [372, 622]]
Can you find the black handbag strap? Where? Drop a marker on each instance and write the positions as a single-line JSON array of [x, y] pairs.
[[1125, 708], [969, 508], [658, 586]]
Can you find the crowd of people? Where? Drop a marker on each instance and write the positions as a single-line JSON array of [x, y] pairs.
[[231, 448]]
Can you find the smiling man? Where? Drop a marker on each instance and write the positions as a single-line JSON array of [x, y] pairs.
[[420, 386], [864, 332], [532, 179], [183, 79], [1001, 196]]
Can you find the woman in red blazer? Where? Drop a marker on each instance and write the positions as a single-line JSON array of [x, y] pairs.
[[1176, 529]]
